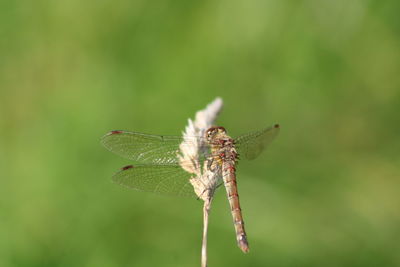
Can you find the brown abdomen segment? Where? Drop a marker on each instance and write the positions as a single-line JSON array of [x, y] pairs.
[[229, 178]]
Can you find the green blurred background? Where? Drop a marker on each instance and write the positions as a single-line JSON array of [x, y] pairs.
[[325, 194]]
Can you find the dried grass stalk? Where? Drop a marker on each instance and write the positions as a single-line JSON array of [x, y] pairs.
[[204, 181]]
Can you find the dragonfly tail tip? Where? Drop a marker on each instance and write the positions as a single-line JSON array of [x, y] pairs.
[[243, 244]]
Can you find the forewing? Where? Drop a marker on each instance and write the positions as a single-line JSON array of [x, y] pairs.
[[162, 179], [143, 148], [251, 145]]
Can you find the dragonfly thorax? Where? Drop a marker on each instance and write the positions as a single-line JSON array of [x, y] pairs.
[[222, 145]]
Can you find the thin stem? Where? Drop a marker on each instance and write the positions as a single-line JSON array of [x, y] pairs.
[[206, 212]]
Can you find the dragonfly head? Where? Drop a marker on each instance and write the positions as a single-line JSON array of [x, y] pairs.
[[214, 131]]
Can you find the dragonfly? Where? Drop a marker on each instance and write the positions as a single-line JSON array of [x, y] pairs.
[[160, 168]]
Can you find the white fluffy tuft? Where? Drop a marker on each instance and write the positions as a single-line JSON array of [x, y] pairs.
[[194, 145]]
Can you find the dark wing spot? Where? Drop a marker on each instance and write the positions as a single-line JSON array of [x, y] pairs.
[[127, 167], [277, 126], [115, 132]]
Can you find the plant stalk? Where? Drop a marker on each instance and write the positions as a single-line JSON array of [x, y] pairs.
[[206, 212]]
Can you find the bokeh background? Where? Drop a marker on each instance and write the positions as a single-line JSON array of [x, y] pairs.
[[326, 193]]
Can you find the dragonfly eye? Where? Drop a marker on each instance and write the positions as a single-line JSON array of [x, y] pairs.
[[221, 129], [210, 132]]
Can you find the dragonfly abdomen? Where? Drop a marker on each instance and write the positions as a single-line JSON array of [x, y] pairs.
[[229, 177]]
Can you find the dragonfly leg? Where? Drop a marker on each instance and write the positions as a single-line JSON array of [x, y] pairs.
[[209, 192], [200, 197], [212, 165]]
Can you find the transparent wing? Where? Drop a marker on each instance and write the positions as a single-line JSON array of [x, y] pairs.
[[144, 148], [162, 179], [250, 145]]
